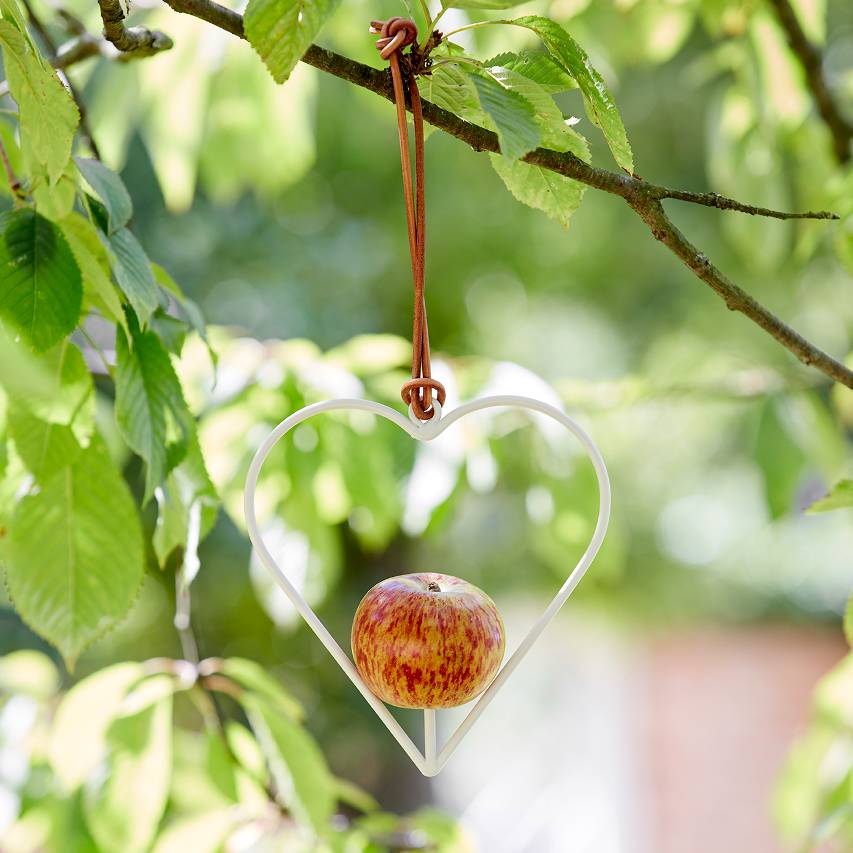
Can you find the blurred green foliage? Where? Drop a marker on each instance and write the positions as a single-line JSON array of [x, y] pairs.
[[278, 210], [101, 768]]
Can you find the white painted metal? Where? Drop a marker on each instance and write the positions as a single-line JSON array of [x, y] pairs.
[[427, 762], [430, 737]]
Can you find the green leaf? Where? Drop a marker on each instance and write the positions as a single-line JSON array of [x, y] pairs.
[[150, 409], [132, 271], [125, 803], [452, 89], [4, 428], [29, 672], [598, 102], [481, 4], [840, 497], [201, 833], [45, 448], [255, 679], [556, 195], [188, 309], [282, 30], [56, 200], [78, 735], [352, 795], [40, 287], [187, 505], [93, 260], [22, 373], [57, 386], [252, 776], [48, 114], [296, 763], [110, 190], [555, 131], [172, 331], [538, 67], [848, 621], [512, 114], [780, 459], [75, 557]]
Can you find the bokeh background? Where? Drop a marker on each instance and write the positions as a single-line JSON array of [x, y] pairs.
[[659, 710]]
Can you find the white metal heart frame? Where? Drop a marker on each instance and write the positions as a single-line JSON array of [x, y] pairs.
[[430, 761]]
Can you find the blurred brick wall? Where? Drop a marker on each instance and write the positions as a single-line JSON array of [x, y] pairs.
[[720, 708]]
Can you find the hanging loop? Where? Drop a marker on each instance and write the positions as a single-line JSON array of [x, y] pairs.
[[397, 34]]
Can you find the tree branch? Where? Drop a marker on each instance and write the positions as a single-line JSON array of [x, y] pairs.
[[643, 197], [737, 299], [811, 60], [139, 41]]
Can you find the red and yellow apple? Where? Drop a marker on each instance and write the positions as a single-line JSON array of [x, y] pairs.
[[427, 640]]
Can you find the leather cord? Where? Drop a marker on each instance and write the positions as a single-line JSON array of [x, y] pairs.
[[397, 34]]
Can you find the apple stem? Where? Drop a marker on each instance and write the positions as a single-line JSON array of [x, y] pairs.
[[430, 737]]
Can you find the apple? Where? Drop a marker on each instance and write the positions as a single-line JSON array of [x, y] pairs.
[[427, 640]]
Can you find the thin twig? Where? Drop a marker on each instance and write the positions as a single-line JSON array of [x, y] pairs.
[[721, 202], [17, 190], [643, 197], [737, 299], [811, 59]]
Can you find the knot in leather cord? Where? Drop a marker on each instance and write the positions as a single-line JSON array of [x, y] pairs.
[[397, 34]]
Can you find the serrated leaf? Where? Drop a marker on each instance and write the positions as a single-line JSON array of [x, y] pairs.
[[56, 200], [538, 67], [78, 734], [282, 30], [41, 291], [151, 412], [512, 115], [255, 679], [110, 189], [48, 114], [45, 448], [172, 331], [296, 762], [94, 263], [124, 805], [75, 557], [598, 102], [555, 131], [188, 309], [452, 89], [556, 195], [187, 505], [839, 497], [132, 271]]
